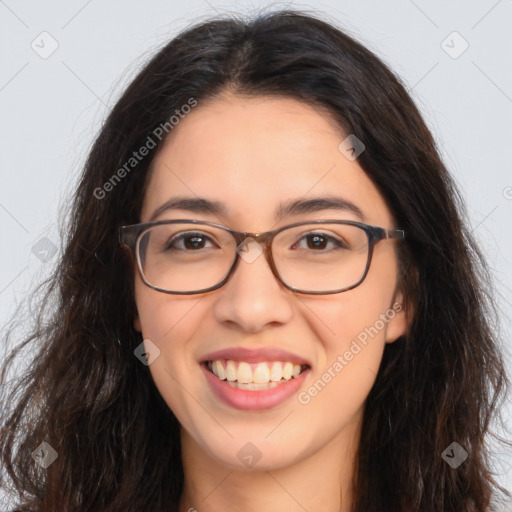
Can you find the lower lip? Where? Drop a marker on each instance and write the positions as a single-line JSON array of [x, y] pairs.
[[253, 400]]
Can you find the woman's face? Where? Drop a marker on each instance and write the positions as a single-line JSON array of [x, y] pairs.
[[255, 155]]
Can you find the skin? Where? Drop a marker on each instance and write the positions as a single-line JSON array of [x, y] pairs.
[[252, 153]]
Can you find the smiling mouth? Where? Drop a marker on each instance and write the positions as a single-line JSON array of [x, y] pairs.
[[255, 376]]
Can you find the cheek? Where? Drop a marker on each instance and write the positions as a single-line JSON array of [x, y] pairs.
[[161, 315], [352, 325], [359, 315], [169, 323], [352, 333]]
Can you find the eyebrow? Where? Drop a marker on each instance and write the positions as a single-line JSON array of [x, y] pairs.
[[294, 207]]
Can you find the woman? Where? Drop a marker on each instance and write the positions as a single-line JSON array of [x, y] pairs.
[[267, 298]]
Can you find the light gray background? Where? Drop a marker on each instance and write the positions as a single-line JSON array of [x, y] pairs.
[[52, 107]]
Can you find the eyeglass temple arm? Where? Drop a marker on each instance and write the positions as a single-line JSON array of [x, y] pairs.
[[126, 237], [394, 233]]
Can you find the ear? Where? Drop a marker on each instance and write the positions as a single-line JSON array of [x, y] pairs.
[[399, 318], [136, 324]]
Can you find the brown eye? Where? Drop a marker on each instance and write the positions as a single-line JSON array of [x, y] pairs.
[[188, 242], [316, 241]]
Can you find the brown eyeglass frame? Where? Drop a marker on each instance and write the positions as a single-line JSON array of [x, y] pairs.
[[129, 238]]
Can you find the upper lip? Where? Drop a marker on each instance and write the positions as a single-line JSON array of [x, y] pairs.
[[259, 355]]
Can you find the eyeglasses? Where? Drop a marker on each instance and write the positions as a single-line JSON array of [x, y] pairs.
[[190, 256]]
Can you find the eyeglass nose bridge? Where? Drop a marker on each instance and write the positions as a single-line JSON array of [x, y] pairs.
[[265, 241], [262, 238]]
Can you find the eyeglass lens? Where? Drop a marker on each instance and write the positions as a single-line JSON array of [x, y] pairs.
[[317, 258]]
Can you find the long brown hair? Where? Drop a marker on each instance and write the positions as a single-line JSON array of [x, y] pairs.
[[95, 404]]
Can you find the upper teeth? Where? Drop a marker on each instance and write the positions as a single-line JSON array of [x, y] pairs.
[[259, 373]]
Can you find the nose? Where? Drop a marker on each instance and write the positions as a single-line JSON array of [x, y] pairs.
[[253, 299]]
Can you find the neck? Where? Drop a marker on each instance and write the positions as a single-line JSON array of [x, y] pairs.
[[321, 481]]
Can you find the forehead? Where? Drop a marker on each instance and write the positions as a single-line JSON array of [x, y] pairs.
[[253, 153]]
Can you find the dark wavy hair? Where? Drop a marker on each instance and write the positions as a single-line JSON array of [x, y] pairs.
[[86, 394]]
